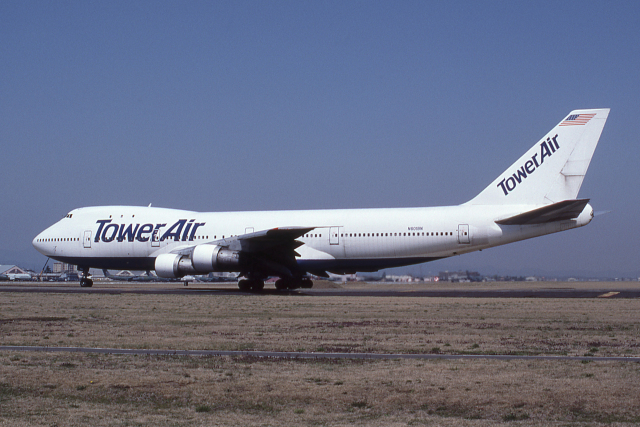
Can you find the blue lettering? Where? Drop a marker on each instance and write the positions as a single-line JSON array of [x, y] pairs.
[[108, 231], [547, 148], [503, 187], [195, 227], [113, 234], [156, 231], [128, 233], [550, 145], [186, 230], [102, 222], [529, 167], [175, 234], [520, 174], [145, 229], [544, 151]]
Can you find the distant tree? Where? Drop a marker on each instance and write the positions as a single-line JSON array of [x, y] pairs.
[[47, 270]]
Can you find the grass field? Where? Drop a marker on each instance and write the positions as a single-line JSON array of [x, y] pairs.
[[78, 389]]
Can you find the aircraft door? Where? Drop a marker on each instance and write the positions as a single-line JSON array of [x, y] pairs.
[[155, 239], [86, 241], [463, 234], [334, 236]]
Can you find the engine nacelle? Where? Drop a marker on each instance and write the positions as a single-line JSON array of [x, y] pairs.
[[204, 259], [208, 258], [167, 266]]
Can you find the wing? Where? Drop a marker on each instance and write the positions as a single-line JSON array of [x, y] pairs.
[[568, 209], [271, 252]]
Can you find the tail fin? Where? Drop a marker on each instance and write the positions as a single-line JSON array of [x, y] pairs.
[[553, 169]]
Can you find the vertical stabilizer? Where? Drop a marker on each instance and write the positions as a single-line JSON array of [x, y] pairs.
[[553, 169]]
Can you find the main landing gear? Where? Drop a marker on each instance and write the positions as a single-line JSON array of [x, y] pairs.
[[85, 282], [255, 284], [293, 283]]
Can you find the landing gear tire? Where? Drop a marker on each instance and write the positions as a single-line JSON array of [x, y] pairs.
[[244, 285], [283, 284], [248, 285], [293, 283], [85, 282]]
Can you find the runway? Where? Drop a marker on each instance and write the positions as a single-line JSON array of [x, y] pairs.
[[622, 291], [310, 355]]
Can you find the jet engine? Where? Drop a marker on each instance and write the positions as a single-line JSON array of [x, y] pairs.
[[202, 260]]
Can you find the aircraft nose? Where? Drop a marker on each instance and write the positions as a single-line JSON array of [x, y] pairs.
[[39, 243]]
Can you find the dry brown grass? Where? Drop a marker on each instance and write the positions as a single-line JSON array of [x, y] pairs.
[[76, 389]]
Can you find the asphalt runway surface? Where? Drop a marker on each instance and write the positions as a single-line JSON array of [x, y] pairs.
[[625, 290]]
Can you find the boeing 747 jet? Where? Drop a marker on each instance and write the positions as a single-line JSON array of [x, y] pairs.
[[536, 195]]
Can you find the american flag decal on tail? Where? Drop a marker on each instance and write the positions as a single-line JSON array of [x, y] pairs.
[[577, 119]]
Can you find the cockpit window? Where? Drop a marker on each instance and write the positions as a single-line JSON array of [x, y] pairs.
[[69, 216]]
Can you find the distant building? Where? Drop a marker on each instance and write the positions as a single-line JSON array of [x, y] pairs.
[[13, 272], [61, 267], [402, 278], [11, 269], [460, 276]]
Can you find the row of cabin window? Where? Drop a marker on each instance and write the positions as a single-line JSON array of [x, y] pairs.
[[70, 239], [441, 233], [77, 239]]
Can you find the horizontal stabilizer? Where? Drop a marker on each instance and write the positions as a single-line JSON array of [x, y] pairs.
[[567, 209]]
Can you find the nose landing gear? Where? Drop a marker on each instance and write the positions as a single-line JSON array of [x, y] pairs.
[[85, 281]]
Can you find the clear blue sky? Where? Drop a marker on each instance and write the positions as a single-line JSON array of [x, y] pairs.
[[217, 106]]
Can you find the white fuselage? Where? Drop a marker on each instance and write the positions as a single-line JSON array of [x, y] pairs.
[[348, 240]]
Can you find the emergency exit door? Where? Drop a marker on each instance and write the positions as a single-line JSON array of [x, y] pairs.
[[334, 235], [86, 241], [463, 233]]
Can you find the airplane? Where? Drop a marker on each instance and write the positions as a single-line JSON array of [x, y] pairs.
[[19, 276], [535, 196]]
